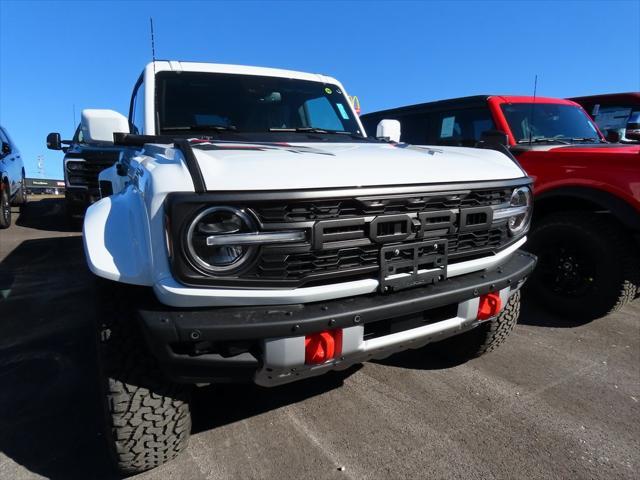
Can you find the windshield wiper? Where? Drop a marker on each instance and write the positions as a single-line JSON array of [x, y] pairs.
[[202, 128], [543, 140], [585, 139], [315, 130]]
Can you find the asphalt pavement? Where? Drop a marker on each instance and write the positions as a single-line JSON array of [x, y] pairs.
[[561, 399]]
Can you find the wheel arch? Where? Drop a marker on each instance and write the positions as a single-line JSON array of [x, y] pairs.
[[588, 200], [117, 241]]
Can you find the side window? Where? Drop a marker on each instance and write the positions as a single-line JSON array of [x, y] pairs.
[[136, 115], [460, 127], [321, 114], [78, 137], [612, 118], [4, 138], [413, 129]]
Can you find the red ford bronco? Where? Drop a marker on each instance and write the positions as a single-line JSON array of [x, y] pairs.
[[586, 226]]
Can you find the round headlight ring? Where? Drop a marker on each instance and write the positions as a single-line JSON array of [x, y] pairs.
[[521, 197], [231, 257]]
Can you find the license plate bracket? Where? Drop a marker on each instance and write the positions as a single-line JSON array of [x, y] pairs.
[[413, 264]]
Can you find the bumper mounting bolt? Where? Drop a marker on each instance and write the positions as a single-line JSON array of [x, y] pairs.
[[295, 328], [195, 334], [332, 322], [356, 319]]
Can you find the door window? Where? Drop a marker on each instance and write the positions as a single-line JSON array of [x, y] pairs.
[[136, 116]]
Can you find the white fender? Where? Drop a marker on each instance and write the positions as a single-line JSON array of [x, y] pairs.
[[116, 239], [110, 174]]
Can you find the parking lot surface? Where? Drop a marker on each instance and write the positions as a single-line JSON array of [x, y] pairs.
[[560, 399]]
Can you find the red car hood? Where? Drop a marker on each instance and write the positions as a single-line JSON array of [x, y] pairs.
[[598, 149], [602, 149]]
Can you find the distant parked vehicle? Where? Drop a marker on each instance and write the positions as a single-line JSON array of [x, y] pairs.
[[617, 114], [586, 225], [83, 161], [12, 185]]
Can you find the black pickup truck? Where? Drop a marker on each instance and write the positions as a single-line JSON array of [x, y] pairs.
[[83, 161]]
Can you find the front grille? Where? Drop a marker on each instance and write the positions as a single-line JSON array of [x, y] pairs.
[[346, 208], [359, 260], [299, 265], [315, 263], [82, 169]]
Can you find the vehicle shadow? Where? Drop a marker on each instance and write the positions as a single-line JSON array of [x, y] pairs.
[[431, 359], [51, 416], [220, 405], [48, 214]]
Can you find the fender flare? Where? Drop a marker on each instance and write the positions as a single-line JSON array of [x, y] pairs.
[[117, 241], [598, 199]]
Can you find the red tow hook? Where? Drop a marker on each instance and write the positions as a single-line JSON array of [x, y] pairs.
[[490, 306], [322, 346]]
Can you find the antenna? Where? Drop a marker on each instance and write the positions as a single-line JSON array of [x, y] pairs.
[[535, 88], [155, 90], [153, 44]]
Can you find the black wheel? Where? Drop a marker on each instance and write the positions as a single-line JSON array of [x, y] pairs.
[[148, 416], [587, 265], [5, 207], [484, 338], [21, 197]]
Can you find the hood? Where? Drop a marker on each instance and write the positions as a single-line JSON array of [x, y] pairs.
[[604, 149], [284, 166]]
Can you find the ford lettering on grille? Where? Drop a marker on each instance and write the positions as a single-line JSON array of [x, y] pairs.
[[384, 229]]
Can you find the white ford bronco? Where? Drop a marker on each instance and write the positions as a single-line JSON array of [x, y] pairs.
[[251, 231]]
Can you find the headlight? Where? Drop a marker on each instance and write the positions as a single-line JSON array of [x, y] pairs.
[[221, 239], [519, 212], [218, 223]]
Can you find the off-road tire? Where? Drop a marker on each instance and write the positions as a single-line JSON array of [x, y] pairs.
[[484, 338], [611, 253], [148, 416], [5, 208]]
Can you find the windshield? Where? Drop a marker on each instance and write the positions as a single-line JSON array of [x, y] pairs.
[[231, 104], [549, 122]]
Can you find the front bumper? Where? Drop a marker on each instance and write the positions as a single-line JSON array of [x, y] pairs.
[[265, 344], [81, 197]]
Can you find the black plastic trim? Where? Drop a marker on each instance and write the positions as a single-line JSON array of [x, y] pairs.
[[181, 208], [165, 326], [550, 201], [192, 165], [233, 197]]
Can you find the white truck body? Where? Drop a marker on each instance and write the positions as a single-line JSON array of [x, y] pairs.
[[135, 252]]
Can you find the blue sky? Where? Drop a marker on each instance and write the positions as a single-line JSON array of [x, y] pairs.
[[57, 54]]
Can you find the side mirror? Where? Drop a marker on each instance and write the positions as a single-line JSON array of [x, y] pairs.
[[98, 126], [6, 148], [613, 136], [388, 130], [54, 142], [495, 137]]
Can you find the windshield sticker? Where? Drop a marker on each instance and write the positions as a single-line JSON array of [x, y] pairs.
[[343, 111], [328, 91], [447, 127]]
